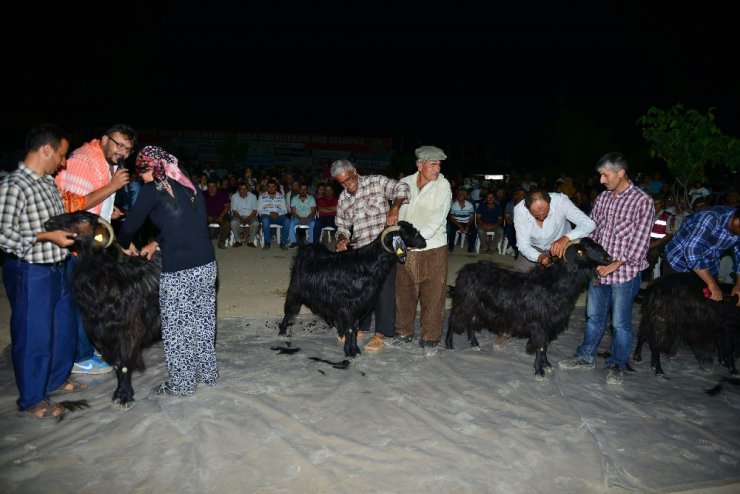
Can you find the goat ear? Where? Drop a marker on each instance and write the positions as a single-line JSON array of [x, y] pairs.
[[399, 247]]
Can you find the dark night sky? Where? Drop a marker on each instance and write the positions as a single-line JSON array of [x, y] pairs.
[[495, 85]]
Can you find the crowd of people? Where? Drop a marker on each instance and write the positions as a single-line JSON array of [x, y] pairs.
[[639, 224]]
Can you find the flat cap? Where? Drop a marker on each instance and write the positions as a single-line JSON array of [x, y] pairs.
[[430, 153]]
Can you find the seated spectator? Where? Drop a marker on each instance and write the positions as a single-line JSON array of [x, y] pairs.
[[509, 229], [244, 213], [303, 212], [490, 218], [327, 211], [272, 210], [461, 220], [218, 204]]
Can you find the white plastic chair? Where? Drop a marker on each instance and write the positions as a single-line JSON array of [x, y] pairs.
[[278, 233], [461, 237], [329, 231]]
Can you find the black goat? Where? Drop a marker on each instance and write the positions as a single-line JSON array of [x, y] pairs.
[[118, 299], [675, 308], [534, 305], [343, 287]]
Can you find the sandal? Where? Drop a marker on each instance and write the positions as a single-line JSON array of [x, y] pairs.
[[43, 410], [69, 387]]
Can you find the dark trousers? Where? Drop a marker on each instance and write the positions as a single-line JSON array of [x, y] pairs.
[[43, 333], [385, 308], [470, 238]]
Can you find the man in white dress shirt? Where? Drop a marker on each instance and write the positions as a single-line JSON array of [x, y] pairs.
[[543, 227]]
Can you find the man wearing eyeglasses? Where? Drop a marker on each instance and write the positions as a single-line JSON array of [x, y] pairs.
[[94, 172], [365, 207]]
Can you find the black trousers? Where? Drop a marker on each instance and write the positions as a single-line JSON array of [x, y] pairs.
[[385, 308]]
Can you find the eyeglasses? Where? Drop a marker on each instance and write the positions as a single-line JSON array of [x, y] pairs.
[[346, 181], [121, 147]]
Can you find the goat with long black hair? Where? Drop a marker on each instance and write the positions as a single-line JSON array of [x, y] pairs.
[[343, 287], [676, 307], [534, 305], [118, 296]]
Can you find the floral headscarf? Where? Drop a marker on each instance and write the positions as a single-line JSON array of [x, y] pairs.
[[162, 165]]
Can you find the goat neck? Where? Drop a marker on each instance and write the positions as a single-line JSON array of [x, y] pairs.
[[572, 242]]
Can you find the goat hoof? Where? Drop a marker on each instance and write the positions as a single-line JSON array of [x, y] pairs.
[[539, 376], [637, 358]]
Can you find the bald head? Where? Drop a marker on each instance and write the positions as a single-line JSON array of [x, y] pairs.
[[538, 204]]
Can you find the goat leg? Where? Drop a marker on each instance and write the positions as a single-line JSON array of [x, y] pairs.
[[544, 361], [284, 325], [539, 371], [637, 354], [350, 344], [655, 360], [124, 394], [472, 339], [448, 338]]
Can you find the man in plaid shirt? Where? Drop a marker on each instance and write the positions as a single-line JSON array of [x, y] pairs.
[[42, 331], [624, 218], [366, 206]]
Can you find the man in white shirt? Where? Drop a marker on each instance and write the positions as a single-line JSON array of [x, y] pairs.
[[422, 279], [543, 227], [244, 213]]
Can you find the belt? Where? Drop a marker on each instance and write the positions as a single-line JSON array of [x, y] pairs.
[[57, 264]]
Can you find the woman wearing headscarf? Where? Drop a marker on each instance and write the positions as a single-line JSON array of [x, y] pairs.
[[187, 287]]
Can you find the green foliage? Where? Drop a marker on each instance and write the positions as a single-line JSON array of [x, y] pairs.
[[689, 142]]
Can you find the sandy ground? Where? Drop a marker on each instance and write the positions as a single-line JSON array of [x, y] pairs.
[[399, 421]]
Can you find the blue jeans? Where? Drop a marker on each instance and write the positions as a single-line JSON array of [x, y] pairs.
[[281, 220], [618, 300], [42, 331], [85, 349], [291, 232]]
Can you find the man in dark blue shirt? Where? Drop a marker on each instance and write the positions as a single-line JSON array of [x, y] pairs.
[[700, 242]]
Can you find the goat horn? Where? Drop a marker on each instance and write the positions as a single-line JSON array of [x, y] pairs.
[[111, 234], [572, 242], [388, 230]]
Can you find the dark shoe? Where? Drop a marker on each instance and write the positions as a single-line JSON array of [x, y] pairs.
[[614, 375], [430, 347], [283, 246], [576, 362], [292, 245], [251, 244], [266, 247], [399, 340], [237, 244]]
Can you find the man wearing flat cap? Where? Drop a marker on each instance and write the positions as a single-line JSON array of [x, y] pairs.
[[423, 278]]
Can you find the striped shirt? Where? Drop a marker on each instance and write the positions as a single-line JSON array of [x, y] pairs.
[[276, 204], [623, 225], [462, 213], [366, 210], [26, 202], [702, 239]]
